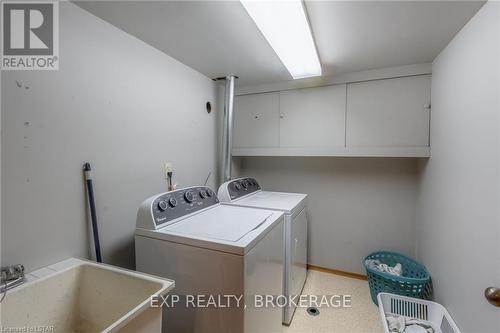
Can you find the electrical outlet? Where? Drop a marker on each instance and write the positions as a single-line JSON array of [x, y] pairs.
[[168, 167]]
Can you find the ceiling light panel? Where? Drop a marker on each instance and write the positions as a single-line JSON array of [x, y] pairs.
[[284, 24]]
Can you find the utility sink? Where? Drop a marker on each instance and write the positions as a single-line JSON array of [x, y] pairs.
[[85, 297]]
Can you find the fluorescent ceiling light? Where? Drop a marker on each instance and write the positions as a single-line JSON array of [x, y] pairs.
[[285, 26]]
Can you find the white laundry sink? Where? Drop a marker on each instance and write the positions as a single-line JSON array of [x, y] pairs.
[[86, 297]]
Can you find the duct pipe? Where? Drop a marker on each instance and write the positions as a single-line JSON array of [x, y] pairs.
[[227, 134]]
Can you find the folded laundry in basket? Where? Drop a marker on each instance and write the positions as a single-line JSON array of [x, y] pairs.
[[399, 324], [376, 264]]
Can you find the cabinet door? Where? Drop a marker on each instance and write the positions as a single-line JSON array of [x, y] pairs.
[[392, 112], [256, 120], [313, 117]]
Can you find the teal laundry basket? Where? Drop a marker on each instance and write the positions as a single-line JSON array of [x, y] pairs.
[[412, 283]]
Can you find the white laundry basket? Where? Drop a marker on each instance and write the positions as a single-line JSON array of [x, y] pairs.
[[435, 313]]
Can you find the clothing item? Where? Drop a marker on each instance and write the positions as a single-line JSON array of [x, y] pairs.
[[396, 323], [377, 265], [417, 329], [399, 324]]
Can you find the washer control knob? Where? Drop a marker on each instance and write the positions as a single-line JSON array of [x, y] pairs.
[[237, 186], [245, 184], [189, 196], [210, 192], [162, 205], [203, 194], [172, 202]]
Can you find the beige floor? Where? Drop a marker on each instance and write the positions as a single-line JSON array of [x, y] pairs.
[[361, 317]]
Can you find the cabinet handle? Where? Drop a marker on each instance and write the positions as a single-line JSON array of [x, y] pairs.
[[282, 115], [427, 106]]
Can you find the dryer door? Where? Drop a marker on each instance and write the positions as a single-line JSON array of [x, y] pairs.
[[298, 258]]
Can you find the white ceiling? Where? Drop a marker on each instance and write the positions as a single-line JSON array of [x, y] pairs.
[[218, 37], [354, 36]]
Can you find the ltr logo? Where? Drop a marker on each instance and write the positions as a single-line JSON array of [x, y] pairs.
[[28, 29], [29, 35]]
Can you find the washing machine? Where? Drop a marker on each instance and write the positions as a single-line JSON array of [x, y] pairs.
[[212, 251], [246, 192]]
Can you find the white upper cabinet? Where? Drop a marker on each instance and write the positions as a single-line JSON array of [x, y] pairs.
[[389, 113], [256, 121], [381, 117], [313, 117]]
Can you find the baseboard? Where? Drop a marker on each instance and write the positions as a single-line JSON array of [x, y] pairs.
[[337, 272]]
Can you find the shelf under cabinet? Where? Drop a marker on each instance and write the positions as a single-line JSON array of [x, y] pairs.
[[337, 151]]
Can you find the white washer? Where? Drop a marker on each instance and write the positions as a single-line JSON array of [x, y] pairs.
[[212, 249], [246, 192]]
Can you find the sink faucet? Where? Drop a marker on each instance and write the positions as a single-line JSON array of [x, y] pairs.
[[10, 277]]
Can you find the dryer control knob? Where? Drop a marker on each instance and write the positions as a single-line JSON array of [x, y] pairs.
[[189, 196], [203, 194], [210, 192], [162, 205], [172, 202]]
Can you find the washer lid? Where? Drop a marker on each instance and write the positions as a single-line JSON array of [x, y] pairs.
[[273, 200], [225, 223]]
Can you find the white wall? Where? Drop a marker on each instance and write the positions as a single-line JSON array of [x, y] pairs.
[[356, 205], [458, 224], [116, 102]]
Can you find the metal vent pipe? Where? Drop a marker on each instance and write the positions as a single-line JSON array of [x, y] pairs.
[[227, 134]]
